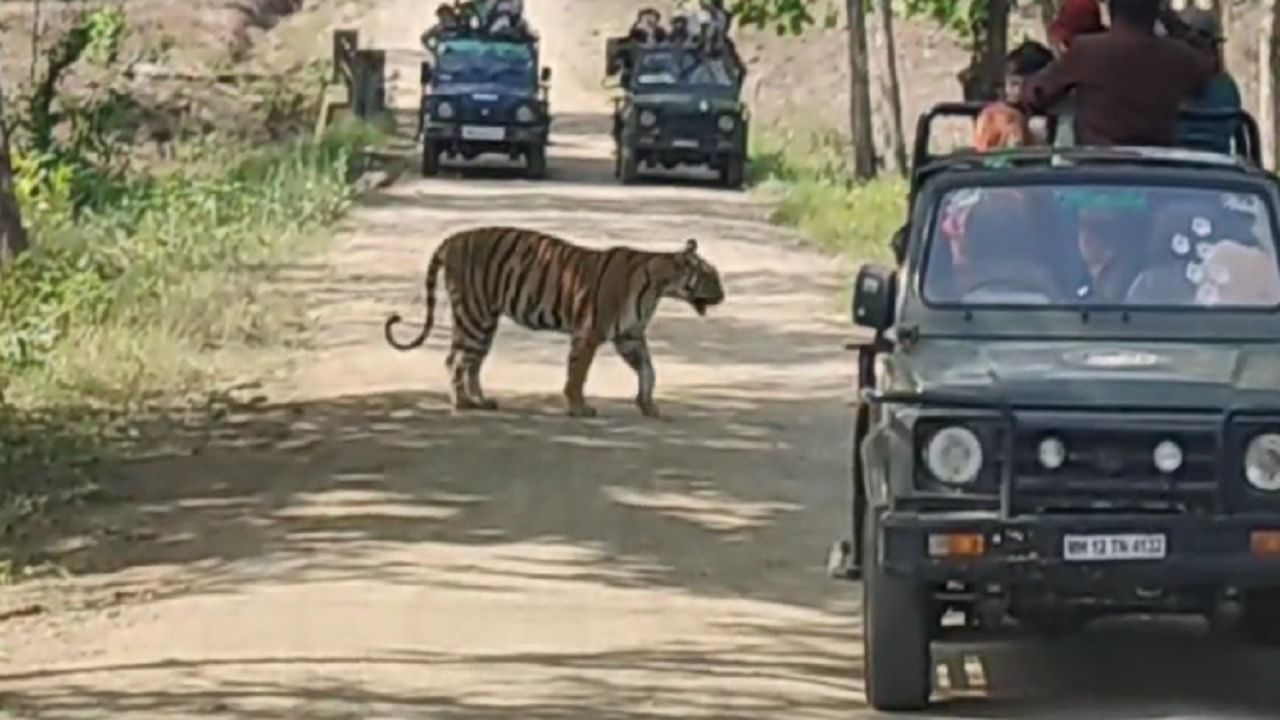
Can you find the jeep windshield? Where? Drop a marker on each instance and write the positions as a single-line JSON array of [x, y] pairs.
[[485, 62], [676, 70], [1093, 245]]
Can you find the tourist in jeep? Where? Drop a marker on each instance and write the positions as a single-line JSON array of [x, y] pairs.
[[1220, 94], [1129, 84]]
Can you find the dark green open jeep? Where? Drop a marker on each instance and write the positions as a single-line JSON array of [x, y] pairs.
[[679, 107], [1070, 403]]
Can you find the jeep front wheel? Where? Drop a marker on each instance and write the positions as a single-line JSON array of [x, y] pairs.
[[536, 162], [897, 661], [430, 159], [629, 165], [733, 173]]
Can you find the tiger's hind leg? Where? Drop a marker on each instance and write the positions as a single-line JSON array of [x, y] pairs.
[[472, 339], [635, 352]]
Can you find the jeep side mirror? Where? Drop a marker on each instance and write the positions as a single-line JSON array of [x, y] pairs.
[[424, 72], [546, 74], [874, 297]]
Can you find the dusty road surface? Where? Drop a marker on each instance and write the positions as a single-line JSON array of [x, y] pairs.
[[350, 549]]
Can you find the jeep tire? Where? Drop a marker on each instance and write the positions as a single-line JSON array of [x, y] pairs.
[[628, 165], [430, 159], [733, 173], [535, 158], [897, 661], [1260, 623]]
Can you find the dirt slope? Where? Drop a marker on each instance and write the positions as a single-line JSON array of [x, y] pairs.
[[349, 549]]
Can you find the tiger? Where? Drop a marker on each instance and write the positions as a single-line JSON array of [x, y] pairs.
[[545, 282]]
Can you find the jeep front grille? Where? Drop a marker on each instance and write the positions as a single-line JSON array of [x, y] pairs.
[[1111, 470]]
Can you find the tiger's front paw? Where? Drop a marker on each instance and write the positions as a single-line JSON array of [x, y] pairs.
[[581, 410]]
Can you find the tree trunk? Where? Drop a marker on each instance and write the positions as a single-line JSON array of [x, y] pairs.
[[989, 26], [1047, 10], [891, 90], [864, 150], [13, 236], [1273, 55]]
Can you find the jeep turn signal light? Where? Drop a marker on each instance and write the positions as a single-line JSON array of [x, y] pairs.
[[956, 545], [1265, 542]]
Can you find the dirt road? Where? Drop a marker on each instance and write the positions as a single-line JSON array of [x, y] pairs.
[[350, 549]]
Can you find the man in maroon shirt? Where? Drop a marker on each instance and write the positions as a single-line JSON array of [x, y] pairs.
[[1128, 83]]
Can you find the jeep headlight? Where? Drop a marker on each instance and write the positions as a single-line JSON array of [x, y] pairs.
[[525, 114], [444, 110], [954, 455], [727, 123], [648, 118], [1262, 462]]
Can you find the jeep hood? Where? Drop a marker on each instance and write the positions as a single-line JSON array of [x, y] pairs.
[[1094, 373], [502, 91]]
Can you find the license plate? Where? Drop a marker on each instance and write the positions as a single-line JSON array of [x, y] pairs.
[[684, 143], [483, 132], [1096, 548]]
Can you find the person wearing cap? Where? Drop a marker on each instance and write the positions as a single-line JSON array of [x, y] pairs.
[[1074, 18], [1221, 94], [1129, 84]]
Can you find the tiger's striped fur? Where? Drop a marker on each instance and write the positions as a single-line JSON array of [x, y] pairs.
[[544, 282]]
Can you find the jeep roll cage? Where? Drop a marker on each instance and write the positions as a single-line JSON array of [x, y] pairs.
[[1246, 154], [1246, 146]]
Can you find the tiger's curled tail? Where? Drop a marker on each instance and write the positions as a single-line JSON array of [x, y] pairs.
[[433, 270]]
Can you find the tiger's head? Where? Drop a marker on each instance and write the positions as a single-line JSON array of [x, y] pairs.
[[697, 281]]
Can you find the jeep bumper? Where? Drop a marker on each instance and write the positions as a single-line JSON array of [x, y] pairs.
[[486, 138], [687, 149], [1196, 551]]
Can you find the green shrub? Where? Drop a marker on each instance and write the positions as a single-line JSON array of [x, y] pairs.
[[121, 298], [808, 177]]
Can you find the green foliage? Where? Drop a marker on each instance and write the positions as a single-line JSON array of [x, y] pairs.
[[168, 252], [74, 164], [787, 17], [962, 17], [809, 178], [105, 28]]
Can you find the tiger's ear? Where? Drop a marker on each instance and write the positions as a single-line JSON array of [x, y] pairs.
[[691, 245]]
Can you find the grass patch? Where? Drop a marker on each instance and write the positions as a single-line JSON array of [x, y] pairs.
[[133, 297], [809, 181], [146, 298]]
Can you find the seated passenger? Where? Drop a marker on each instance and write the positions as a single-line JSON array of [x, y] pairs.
[[647, 29], [996, 255], [1195, 256], [1108, 254], [1221, 93], [447, 21], [1235, 274], [1128, 83], [1000, 124]]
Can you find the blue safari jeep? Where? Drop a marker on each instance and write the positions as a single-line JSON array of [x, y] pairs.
[[483, 94]]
